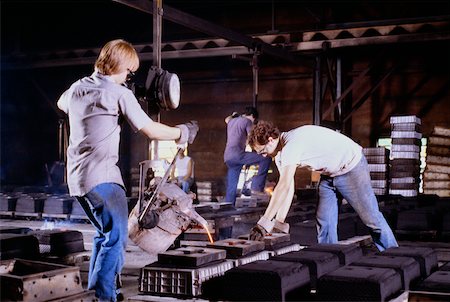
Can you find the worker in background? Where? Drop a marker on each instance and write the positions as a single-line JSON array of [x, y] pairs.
[[235, 156], [183, 172], [95, 104], [343, 170]]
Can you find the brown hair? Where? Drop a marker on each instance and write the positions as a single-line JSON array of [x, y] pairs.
[[261, 132], [117, 56]]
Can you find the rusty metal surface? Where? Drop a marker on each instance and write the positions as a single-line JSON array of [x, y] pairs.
[[26, 280], [271, 239], [200, 234], [238, 247], [191, 256], [174, 207]]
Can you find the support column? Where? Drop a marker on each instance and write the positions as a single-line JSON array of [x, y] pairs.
[[157, 32], [255, 70], [317, 87]]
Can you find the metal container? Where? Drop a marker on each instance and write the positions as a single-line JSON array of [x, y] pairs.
[[26, 280], [169, 281]]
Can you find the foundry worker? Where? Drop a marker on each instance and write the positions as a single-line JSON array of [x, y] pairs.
[[183, 172], [95, 104], [235, 156], [343, 170]]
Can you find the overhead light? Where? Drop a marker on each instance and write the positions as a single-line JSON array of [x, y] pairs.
[[163, 87]]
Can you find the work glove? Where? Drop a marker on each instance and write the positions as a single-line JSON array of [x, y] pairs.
[[150, 220], [188, 132], [262, 227], [257, 233], [281, 227]]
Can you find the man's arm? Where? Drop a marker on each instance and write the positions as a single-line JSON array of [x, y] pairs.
[[279, 202], [283, 193], [158, 131], [189, 170], [284, 209], [233, 115]]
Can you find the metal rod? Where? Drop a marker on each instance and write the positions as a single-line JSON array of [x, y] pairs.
[[255, 69], [157, 29], [159, 186], [339, 82], [157, 33], [317, 83]]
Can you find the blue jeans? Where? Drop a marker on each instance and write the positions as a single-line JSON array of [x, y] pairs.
[[185, 184], [107, 208], [355, 187], [234, 170]]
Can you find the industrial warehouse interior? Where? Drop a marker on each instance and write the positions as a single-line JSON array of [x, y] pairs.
[[346, 199]]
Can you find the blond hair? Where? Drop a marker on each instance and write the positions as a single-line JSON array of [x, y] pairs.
[[116, 57]]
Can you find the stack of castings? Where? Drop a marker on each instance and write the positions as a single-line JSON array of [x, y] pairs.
[[436, 179], [405, 155], [378, 160]]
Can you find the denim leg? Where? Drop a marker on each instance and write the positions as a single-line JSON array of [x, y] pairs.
[[259, 180], [234, 170], [185, 184], [108, 212], [327, 211], [356, 188], [253, 158], [98, 238]]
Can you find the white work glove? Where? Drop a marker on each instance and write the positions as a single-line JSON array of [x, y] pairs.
[[262, 227], [281, 227], [188, 132]]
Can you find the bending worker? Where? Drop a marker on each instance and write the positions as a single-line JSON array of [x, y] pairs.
[[343, 170]]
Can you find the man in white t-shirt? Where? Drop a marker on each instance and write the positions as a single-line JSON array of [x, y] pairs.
[[343, 170], [183, 172]]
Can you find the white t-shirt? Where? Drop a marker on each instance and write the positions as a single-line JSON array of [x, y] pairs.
[[181, 167], [318, 149]]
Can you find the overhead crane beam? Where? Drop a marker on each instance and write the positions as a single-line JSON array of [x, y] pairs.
[[211, 29], [426, 31]]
